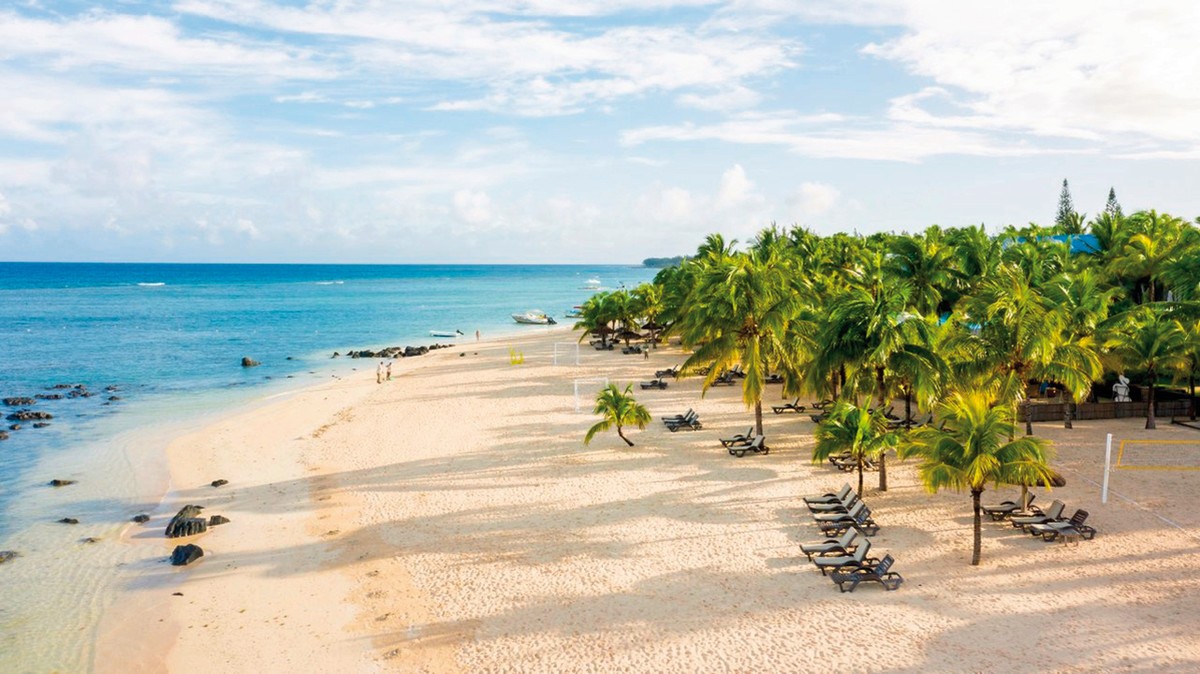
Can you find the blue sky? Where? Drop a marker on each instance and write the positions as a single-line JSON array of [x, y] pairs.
[[570, 130]]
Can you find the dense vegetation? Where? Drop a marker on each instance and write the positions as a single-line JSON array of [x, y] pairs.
[[936, 319], [660, 262]]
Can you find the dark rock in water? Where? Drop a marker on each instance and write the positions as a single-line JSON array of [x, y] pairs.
[[217, 519], [61, 483], [335, 354], [250, 362], [59, 387], [48, 396], [111, 388], [220, 483], [78, 392], [15, 427], [18, 402], [68, 520], [186, 522], [186, 554], [6, 555], [141, 518], [3, 435], [41, 424], [90, 539], [29, 415], [289, 358], [113, 398]]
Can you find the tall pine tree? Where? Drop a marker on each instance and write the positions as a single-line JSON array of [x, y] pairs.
[[1113, 208], [1066, 209]]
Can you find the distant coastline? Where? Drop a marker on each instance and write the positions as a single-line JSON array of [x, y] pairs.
[[663, 262]]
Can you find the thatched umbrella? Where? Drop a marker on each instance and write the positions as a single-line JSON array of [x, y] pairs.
[[628, 335], [654, 328]]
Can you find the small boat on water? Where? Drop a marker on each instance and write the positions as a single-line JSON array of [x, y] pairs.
[[533, 317], [574, 312], [445, 333], [591, 284]]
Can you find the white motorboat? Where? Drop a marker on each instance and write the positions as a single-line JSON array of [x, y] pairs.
[[591, 284], [445, 333], [533, 317]]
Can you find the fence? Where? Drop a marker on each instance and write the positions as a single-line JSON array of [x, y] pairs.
[[1085, 411]]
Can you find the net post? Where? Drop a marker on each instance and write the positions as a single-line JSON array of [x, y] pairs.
[[1107, 468]]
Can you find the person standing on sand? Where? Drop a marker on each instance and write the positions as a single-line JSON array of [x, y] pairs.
[[389, 370], [477, 335], [379, 373]]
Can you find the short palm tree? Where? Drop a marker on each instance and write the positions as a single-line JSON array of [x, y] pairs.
[[853, 429], [618, 409], [1147, 337], [973, 449]]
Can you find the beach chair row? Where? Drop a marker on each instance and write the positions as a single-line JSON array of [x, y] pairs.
[[741, 443], [1050, 524], [844, 553]]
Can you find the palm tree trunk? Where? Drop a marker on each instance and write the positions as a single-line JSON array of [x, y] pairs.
[[758, 429], [860, 475], [622, 436], [833, 381], [883, 470], [1150, 405], [1028, 418], [1192, 393], [908, 407], [1068, 412], [975, 493]]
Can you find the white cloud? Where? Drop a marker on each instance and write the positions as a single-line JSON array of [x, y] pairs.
[[735, 188], [812, 199], [473, 208]]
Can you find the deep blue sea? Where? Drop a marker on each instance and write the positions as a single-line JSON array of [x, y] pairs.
[[157, 344]]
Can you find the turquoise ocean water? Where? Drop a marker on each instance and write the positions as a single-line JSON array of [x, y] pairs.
[[160, 346]]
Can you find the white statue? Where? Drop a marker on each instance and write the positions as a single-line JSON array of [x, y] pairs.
[[1121, 389]]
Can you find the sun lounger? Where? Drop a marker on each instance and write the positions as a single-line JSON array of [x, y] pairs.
[[843, 545], [1051, 530], [724, 379], [654, 384], [1006, 508], [830, 497], [793, 406], [827, 563], [739, 439], [852, 512], [849, 578], [678, 417], [1052, 513], [818, 418], [837, 525], [758, 444], [669, 372], [774, 378], [842, 506], [691, 423]]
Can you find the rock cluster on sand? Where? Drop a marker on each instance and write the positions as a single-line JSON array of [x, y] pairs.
[[216, 520], [395, 351], [220, 483], [187, 522], [186, 554]]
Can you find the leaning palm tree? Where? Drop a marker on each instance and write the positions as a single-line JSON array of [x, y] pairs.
[[618, 409], [857, 430], [973, 449]]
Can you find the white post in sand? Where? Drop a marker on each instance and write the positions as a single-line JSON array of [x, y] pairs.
[[1107, 469]]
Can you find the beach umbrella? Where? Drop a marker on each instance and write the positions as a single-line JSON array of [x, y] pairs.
[[629, 334], [652, 326]]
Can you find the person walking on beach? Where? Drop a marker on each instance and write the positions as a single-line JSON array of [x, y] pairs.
[[379, 373], [389, 370], [477, 335]]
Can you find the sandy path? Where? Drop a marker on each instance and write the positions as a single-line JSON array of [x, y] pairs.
[[453, 521]]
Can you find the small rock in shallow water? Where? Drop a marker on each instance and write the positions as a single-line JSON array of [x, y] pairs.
[[61, 483], [68, 520], [41, 424], [6, 555], [247, 361], [48, 396], [141, 518], [186, 554], [3, 435], [220, 483], [91, 539], [18, 402], [15, 427], [217, 519]]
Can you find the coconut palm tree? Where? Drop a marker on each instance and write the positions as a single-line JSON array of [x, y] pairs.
[[738, 314], [974, 448], [1147, 337], [857, 430], [618, 408], [1083, 300], [1150, 252], [596, 314]]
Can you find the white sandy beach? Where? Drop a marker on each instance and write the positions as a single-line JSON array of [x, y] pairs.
[[451, 520]]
